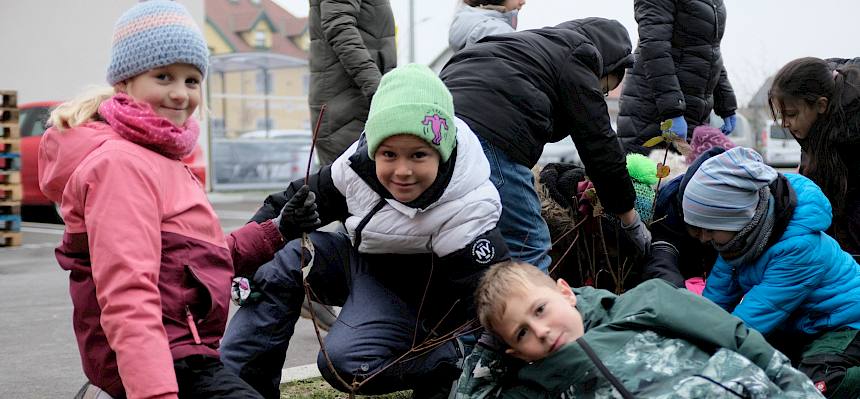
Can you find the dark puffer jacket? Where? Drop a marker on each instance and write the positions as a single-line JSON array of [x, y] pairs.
[[678, 71], [352, 46], [522, 90]]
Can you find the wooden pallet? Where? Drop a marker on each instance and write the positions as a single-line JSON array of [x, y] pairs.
[[10, 161], [9, 239], [8, 98], [10, 177], [10, 223], [10, 130], [10, 145], [10, 207], [10, 192], [9, 114]]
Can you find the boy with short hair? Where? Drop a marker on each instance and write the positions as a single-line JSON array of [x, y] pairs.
[[653, 341], [415, 197]]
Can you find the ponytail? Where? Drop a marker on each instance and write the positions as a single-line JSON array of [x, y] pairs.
[[81, 109]]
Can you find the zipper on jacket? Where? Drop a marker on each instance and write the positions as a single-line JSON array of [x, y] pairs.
[[192, 326], [716, 21]]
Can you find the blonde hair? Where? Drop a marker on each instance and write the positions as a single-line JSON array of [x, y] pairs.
[[500, 282], [81, 109]]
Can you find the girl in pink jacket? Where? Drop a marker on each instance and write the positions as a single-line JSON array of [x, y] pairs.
[[150, 268]]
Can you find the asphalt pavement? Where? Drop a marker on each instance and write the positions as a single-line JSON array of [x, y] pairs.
[[37, 345]]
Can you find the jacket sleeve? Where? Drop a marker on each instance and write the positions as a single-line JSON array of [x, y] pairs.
[[585, 108], [785, 285], [331, 204], [656, 21], [721, 287], [339, 28], [252, 245], [122, 210], [725, 103]]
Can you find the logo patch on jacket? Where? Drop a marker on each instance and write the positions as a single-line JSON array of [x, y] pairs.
[[483, 251]]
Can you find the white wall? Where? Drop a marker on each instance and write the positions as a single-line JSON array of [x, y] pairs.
[[53, 49]]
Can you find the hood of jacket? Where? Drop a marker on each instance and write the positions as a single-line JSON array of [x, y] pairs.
[[469, 20], [611, 40], [813, 212], [60, 153]]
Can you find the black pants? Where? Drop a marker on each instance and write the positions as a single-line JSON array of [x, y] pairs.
[[205, 377], [832, 362]]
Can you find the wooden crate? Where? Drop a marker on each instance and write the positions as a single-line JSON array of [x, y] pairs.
[[10, 161], [10, 145], [10, 177], [9, 114], [8, 98], [10, 239], [10, 192], [10, 207], [9, 130]]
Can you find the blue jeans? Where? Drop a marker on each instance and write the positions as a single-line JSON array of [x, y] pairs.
[[521, 223], [376, 324]]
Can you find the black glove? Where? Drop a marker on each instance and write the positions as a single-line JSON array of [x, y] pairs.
[[560, 180], [299, 215]]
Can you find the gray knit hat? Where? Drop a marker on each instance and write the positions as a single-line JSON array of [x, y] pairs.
[[154, 34], [723, 193]]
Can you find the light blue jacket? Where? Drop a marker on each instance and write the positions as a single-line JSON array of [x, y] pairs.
[[803, 283], [471, 24]]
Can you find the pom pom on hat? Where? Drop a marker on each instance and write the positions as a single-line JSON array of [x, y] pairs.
[[154, 34], [643, 171], [411, 99]]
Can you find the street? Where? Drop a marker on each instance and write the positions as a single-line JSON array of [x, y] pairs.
[[37, 344]]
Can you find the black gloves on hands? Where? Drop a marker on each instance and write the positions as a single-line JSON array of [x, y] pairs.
[[299, 215]]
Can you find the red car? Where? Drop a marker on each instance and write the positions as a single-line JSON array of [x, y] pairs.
[[33, 118]]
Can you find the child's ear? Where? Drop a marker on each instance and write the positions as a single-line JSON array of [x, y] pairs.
[[566, 291], [821, 105]]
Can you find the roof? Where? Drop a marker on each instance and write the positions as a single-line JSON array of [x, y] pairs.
[[232, 18]]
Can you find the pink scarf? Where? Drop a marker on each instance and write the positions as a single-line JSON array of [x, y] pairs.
[[137, 122]]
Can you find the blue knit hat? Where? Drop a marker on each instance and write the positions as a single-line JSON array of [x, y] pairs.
[[154, 34], [723, 193]]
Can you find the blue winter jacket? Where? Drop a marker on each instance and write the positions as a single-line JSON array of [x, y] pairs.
[[803, 283]]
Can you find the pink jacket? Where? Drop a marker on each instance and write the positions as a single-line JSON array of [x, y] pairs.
[[150, 266]]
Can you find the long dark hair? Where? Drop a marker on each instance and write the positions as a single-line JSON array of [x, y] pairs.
[[809, 79], [476, 3]]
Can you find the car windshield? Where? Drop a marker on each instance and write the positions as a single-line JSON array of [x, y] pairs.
[[33, 121]]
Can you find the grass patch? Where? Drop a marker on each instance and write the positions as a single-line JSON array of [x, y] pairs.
[[317, 388]]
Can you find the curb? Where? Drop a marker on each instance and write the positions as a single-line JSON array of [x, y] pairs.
[[299, 373]]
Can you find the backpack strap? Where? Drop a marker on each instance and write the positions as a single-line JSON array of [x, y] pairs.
[[603, 370]]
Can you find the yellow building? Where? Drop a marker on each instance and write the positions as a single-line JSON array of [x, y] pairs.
[[259, 73]]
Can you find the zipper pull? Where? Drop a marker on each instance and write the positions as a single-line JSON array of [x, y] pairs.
[[192, 326]]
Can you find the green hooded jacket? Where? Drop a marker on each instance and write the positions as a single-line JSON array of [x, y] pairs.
[[659, 341]]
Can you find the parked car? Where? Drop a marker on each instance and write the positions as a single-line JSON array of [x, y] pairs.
[[33, 121], [261, 159], [781, 149]]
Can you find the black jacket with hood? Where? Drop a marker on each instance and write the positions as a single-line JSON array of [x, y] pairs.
[[678, 71], [521, 90]]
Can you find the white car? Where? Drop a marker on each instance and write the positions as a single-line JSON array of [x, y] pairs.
[[781, 149]]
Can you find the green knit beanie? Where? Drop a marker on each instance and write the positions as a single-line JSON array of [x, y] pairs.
[[411, 99]]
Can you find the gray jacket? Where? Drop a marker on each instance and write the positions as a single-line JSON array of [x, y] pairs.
[[352, 45], [471, 24]]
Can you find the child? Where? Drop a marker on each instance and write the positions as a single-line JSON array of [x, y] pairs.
[[415, 197], [475, 19], [589, 343], [521, 91], [679, 72], [150, 266], [820, 106], [777, 270]]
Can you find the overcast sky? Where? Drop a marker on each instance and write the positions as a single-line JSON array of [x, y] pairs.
[[761, 35]]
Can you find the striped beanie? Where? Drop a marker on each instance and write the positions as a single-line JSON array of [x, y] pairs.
[[723, 193], [154, 34]]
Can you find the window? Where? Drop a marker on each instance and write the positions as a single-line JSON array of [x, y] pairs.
[[264, 81], [265, 124], [217, 126], [259, 39]]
